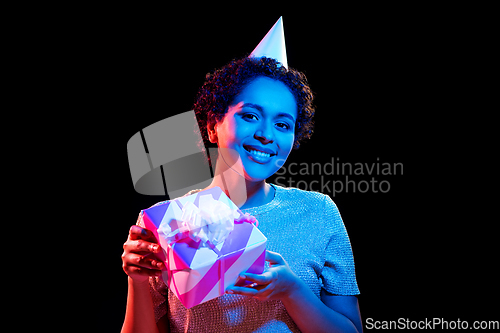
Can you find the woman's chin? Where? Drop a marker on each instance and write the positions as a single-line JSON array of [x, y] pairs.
[[257, 173]]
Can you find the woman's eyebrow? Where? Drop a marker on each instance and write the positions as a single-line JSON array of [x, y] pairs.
[[254, 106], [286, 115]]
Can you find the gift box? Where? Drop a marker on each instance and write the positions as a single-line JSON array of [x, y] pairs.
[[208, 242]]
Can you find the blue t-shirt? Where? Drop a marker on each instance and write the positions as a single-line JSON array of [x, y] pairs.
[[307, 230]]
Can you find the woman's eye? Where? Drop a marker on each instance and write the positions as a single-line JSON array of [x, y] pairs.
[[283, 125], [250, 116]]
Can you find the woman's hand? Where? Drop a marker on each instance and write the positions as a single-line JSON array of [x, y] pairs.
[[276, 283], [139, 260]]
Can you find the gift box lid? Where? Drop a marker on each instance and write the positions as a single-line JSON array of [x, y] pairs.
[[170, 213]]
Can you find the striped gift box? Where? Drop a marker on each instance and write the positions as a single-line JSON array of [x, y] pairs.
[[195, 272]]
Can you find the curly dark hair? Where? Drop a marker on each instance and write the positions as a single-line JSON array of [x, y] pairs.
[[224, 84]]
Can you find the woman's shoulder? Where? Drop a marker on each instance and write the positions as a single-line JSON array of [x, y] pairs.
[[317, 206], [293, 193]]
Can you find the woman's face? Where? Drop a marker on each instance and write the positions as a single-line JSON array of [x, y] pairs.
[[257, 132]]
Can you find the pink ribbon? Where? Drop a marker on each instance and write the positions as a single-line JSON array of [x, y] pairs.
[[247, 218], [243, 218]]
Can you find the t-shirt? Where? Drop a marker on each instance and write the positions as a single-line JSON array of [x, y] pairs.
[[307, 230]]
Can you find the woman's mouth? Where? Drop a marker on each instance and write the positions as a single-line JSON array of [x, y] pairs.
[[259, 154]]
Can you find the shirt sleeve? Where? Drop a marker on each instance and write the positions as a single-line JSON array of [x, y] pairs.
[[157, 288], [338, 275]]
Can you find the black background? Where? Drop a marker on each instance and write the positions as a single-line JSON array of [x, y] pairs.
[[375, 74]]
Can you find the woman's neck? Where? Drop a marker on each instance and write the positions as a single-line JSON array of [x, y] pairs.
[[244, 193]]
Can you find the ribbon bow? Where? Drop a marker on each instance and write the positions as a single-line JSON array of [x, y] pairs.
[[211, 222]]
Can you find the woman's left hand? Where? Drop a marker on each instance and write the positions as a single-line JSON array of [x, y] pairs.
[[275, 283]]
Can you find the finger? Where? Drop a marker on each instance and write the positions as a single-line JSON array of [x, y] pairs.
[[264, 291], [137, 232], [242, 291], [260, 291], [141, 246], [264, 278], [274, 258], [134, 259], [137, 270]]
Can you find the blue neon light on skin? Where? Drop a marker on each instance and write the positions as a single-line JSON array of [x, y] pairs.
[[261, 119]]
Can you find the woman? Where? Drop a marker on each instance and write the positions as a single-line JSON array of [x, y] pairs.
[[256, 111]]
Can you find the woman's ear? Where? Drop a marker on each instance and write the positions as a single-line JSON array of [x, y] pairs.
[[212, 131]]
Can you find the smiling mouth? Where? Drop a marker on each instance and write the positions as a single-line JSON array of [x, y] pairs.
[[256, 152]]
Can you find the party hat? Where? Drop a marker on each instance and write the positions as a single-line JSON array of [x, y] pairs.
[[273, 44]]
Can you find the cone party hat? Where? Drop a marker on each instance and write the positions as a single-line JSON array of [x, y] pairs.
[[273, 44]]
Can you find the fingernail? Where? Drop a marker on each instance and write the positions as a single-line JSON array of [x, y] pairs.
[[242, 276], [153, 248], [230, 291]]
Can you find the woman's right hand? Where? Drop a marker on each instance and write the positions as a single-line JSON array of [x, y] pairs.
[[139, 260]]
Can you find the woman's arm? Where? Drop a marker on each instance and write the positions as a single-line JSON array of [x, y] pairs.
[[333, 314], [139, 262], [330, 314], [139, 316]]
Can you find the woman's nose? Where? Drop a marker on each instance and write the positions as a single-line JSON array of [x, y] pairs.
[[263, 135]]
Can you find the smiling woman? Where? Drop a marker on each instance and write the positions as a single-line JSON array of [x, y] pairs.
[[256, 110]]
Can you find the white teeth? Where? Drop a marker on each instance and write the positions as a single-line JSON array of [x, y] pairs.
[[259, 153]]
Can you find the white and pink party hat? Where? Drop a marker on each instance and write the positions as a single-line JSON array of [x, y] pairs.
[[273, 44]]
